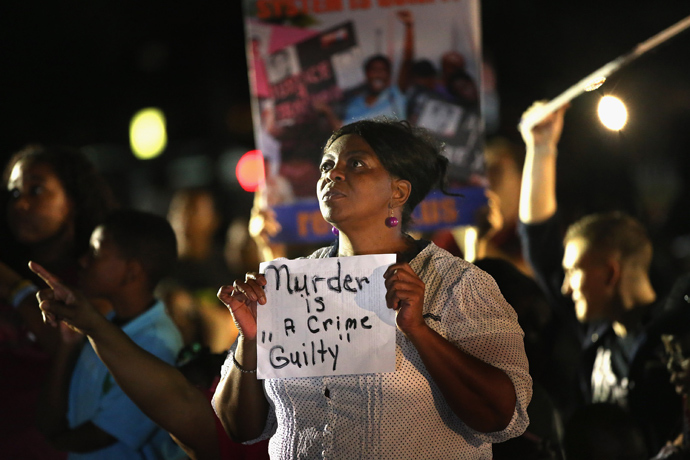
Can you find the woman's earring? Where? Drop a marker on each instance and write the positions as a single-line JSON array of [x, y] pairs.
[[391, 221], [335, 231]]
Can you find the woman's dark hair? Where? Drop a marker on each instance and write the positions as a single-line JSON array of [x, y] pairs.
[[406, 152], [89, 192]]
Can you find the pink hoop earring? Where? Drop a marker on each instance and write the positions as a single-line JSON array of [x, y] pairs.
[[391, 221]]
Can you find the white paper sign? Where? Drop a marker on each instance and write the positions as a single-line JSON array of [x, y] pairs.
[[325, 317]]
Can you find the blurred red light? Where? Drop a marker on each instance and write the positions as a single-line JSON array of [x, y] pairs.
[[250, 170]]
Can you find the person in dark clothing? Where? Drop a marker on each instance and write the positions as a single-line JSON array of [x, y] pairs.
[[674, 325], [604, 431], [597, 281], [544, 435]]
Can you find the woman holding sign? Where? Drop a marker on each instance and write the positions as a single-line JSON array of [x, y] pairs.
[[461, 381]]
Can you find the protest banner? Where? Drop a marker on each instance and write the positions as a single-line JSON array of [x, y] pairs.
[[325, 317], [302, 221], [316, 65]]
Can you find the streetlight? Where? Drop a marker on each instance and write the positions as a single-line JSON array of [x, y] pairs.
[[612, 113]]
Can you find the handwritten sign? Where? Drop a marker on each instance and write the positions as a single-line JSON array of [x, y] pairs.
[[325, 317]]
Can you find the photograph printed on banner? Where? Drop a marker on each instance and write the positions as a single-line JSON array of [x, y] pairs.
[[314, 70]]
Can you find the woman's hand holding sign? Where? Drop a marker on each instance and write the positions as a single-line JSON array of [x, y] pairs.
[[241, 299], [242, 397], [405, 295]]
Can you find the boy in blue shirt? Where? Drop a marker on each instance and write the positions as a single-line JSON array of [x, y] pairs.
[[84, 411]]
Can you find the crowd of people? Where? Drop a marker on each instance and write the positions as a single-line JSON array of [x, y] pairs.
[[125, 334]]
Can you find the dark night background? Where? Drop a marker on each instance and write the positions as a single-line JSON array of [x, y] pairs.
[[75, 72]]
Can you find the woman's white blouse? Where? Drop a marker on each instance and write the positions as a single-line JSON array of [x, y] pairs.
[[403, 415]]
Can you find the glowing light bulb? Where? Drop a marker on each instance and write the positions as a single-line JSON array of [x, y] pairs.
[[147, 134], [612, 113]]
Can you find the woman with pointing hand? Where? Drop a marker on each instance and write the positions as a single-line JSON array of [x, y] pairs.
[[461, 381]]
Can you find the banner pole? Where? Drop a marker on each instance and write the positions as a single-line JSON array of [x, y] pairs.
[[598, 77]]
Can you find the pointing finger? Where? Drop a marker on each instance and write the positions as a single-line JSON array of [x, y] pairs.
[[62, 292], [50, 279]]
